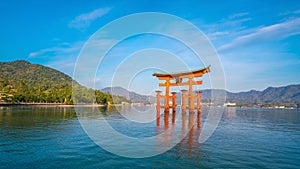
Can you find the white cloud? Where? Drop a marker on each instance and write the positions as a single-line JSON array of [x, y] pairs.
[[238, 15], [253, 67], [61, 57], [226, 28], [62, 49], [84, 20], [65, 65], [290, 12], [267, 33], [215, 35]]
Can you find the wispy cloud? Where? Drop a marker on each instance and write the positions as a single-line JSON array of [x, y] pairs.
[[84, 20], [227, 27], [238, 15], [215, 35], [245, 70], [61, 57], [232, 33], [267, 33], [65, 56], [290, 12], [62, 49]]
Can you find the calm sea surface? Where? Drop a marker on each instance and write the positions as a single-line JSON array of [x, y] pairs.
[[52, 137]]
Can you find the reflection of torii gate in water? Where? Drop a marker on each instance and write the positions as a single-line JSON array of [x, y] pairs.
[[179, 76]]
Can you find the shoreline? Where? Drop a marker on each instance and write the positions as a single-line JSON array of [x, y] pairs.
[[2, 104], [53, 105]]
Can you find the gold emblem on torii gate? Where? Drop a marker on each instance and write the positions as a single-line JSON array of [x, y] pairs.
[[178, 77]]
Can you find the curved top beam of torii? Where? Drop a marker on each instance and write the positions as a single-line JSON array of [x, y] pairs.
[[195, 73]]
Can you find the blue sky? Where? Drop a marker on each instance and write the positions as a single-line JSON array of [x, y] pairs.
[[257, 41]]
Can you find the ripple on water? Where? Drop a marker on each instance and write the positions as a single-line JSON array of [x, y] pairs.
[[53, 138]]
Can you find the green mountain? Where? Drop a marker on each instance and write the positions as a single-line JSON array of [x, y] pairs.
[[284, 95], [271, 95], [21, 81]]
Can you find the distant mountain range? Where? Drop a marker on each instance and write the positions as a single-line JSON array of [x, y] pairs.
[[285, 94], [271, 95], [132, 96], [21, 81]]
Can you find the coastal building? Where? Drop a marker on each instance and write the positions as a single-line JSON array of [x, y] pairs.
[[229, 104]]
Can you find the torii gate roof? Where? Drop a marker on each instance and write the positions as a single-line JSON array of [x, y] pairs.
[[195, 73]]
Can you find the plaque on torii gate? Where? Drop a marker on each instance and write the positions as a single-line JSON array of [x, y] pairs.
[[178, 77]]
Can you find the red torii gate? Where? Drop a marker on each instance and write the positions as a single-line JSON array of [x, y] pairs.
[[179, 76]]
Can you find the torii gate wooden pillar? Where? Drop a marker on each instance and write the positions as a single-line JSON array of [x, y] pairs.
[[199, 100], [190, 75], [183, 99]]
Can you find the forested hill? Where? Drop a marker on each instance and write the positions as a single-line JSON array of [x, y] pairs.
[[285, 95], [34, 75], [21, 81], [272, 95]]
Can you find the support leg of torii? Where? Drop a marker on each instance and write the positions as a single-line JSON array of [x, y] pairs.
[[174, 101], [166, 119], [167, 106], [158, 96], [183, 100], [191, 95], [157, 117], [199, 119], [198, 100], [173, 117]]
